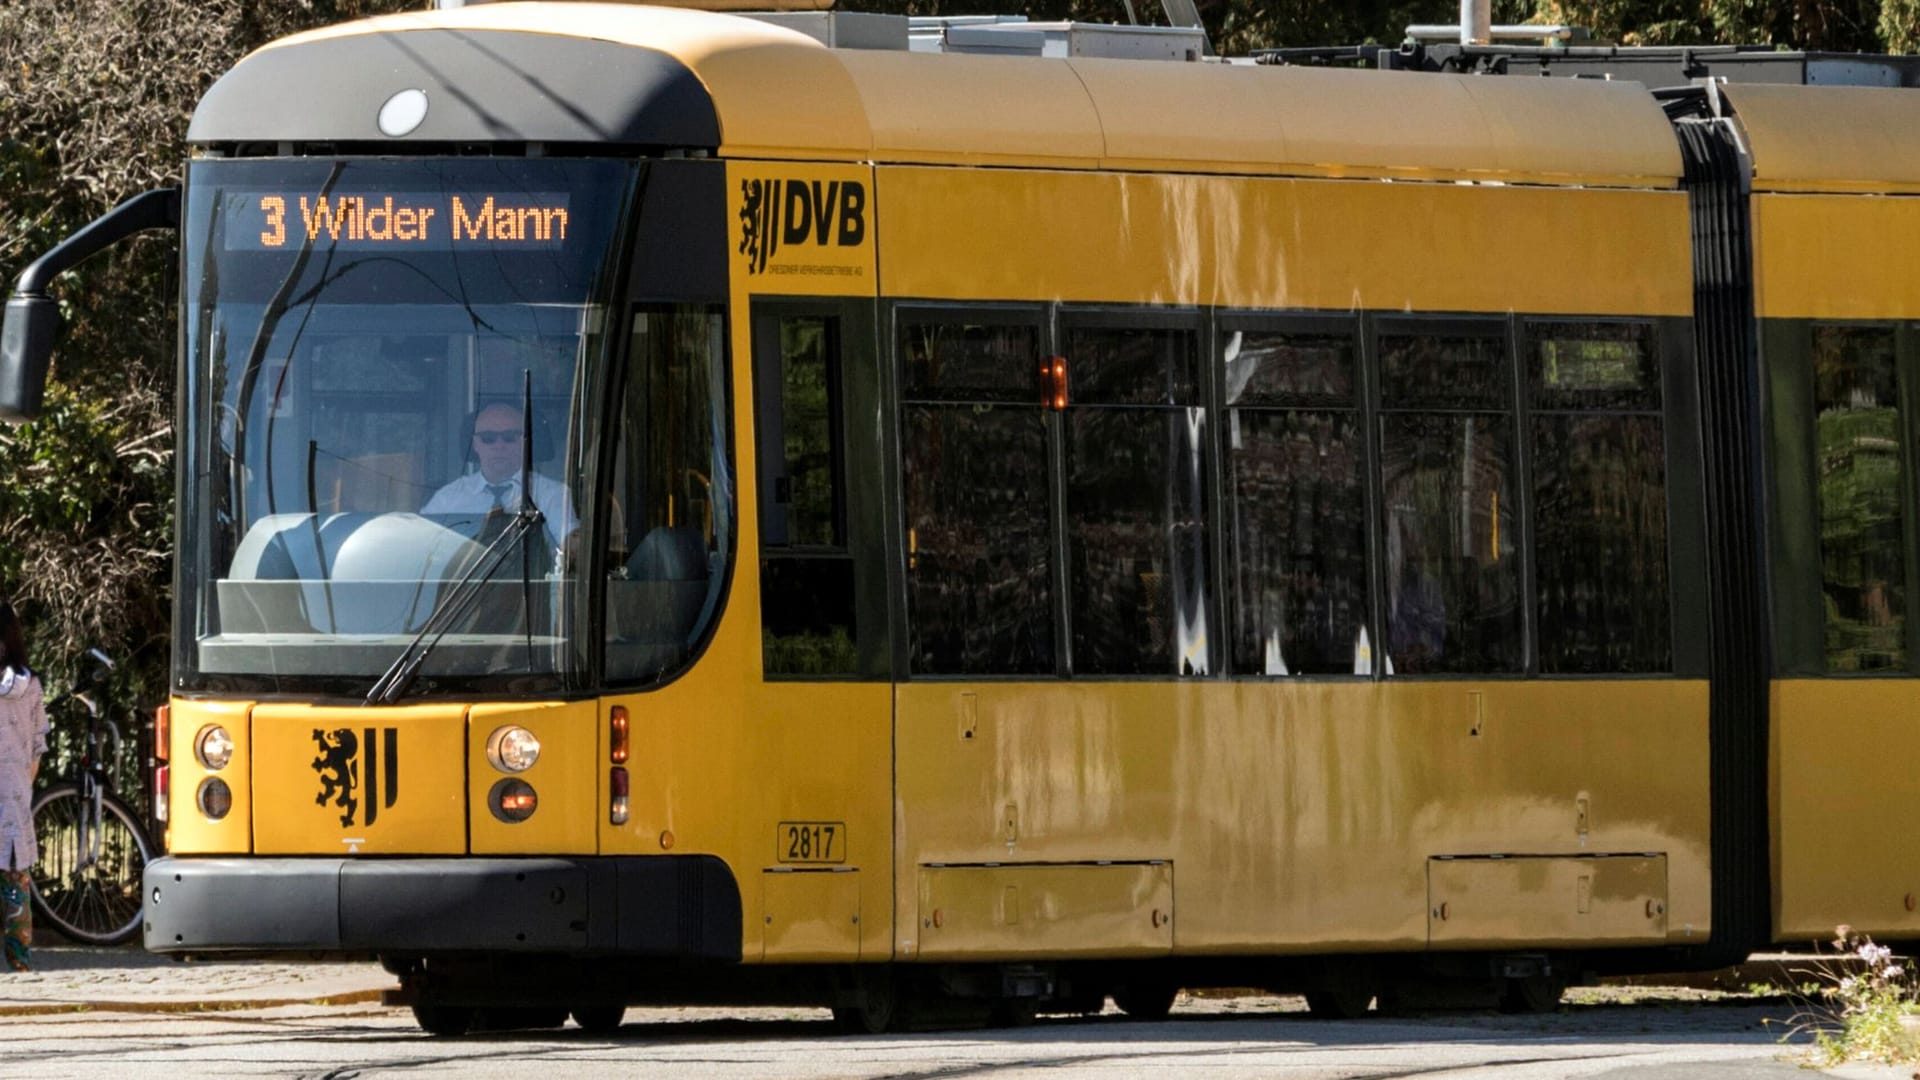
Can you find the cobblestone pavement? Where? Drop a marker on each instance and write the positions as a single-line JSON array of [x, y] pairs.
[[71, 977], [90, 987]]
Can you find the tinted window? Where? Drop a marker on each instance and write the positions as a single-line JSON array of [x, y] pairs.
[[970, 361], [1600, 522], [1449, 371], [1299, 542], [1453, 584], [1136, 538], [807, 581], [810, 495], [979, 540], [1274, 368], [671, 494], [1600, 498], [1858, 440], [1132, 367]]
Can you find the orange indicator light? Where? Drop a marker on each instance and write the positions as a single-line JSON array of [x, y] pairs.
[[162, 731], [1053, 382], [617, 735]]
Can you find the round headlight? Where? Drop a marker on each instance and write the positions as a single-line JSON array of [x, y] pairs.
[[213, 746], [512, 749], [512, 800], [214, 798]]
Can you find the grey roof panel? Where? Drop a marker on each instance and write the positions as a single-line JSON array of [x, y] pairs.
[[481, 86]]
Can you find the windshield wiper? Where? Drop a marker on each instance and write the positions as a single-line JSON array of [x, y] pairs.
[[454, 602]]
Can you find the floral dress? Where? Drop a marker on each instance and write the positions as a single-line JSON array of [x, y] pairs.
[[23, 738]]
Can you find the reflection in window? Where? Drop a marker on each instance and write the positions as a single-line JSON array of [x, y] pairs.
[[1452, 581], [1270, 368], [1600, 498], [1299, 542], [961, 361], [1136, 522], [1448, 372], [671, 496], [1136, 540], [1600, 516], [979, 540], [1132, 366], [807, 408], [1858, 447], [806, 580], [1453, 584]]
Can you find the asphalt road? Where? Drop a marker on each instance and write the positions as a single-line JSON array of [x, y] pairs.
[[1655, 1038]]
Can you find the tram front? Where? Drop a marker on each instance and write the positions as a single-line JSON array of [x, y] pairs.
[[450, 374]]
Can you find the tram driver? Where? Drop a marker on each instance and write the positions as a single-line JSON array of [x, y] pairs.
[[494, 488]]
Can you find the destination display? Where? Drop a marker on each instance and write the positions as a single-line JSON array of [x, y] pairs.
[[368, 220]]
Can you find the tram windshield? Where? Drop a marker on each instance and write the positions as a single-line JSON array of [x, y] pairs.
[[376, 350]]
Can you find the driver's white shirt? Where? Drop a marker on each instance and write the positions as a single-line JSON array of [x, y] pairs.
[[469, 495]]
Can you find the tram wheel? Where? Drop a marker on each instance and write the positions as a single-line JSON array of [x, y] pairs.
[[1013, 1013], [885, 1005], [1150, 1000], [599, 1019], [1345, 1003], [1532, 994], [445, 1020]]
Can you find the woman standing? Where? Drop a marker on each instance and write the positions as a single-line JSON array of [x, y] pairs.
[[23, 738]]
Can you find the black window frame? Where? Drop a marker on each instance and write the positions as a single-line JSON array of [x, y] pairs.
[[1663, 409], [1512, 404], [1350, 325], [896, 315], [1198, 322]]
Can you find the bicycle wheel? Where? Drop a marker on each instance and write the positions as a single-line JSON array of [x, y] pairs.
[[87, 882]]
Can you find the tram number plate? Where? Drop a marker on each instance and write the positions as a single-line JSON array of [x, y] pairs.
[[812, 841]]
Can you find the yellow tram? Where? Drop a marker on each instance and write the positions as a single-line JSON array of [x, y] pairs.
[[670, 510]]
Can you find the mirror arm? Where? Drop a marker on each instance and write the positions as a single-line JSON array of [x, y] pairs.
[[156, 209], [32, 317]]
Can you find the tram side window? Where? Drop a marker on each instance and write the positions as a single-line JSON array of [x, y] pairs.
[[1136, 522], [806, 580], [1859, 442], [1446, 442], [1600, 498], [1299, 525], [670, 501], [979, 530]]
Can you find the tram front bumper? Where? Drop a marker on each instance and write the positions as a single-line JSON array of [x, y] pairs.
[[667, 906]]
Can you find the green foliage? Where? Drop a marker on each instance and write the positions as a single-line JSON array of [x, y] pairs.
[[95, 96], [829, 652]]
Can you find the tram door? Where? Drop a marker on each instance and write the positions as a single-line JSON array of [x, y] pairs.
[[826, 705]]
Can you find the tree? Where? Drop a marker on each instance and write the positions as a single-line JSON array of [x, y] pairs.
[[95, 96]]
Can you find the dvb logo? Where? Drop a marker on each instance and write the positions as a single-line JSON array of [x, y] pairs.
[[799, 212], [342, 778]]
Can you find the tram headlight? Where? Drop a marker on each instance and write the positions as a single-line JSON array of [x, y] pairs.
[[214, 798], [512, 749], [213, 747]]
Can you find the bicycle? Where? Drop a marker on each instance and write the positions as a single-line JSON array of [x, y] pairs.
[[93, 848]]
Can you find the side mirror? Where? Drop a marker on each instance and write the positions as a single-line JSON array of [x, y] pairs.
[[26, 339], [26, 352]]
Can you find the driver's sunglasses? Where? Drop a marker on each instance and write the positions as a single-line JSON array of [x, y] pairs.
[[491, 437]]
